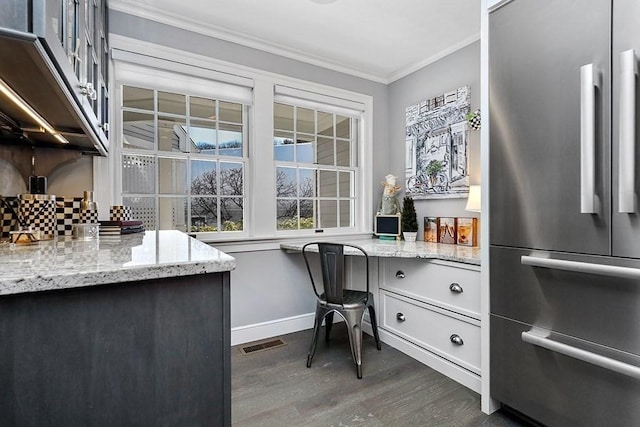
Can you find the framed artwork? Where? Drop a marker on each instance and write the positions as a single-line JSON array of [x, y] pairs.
[[431, 229], [387, 226], [436, 162], [467, 231], [447, 230]]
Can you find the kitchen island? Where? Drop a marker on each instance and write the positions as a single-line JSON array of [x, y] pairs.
[[126, 330]]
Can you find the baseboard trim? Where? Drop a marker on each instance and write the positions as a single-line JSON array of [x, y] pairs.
[[273, 328], [451, 370]]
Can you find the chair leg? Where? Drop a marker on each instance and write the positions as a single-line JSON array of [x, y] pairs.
[[354, 328], [328, 324], [320, 313], [374, 326]]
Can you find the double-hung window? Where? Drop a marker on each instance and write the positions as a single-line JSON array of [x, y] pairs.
[[183, 155], [230, 154], [315, 148]]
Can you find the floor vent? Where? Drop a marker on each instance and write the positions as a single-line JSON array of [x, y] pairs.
[[259, 346]]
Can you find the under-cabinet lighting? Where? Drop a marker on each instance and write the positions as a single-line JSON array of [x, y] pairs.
[[16, 99]]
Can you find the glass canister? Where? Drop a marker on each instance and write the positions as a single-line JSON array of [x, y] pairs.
[[38, 213]]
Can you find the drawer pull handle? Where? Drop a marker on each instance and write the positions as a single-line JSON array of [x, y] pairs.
[[399, 274], [456, 288], [400, 317], [456, 339]]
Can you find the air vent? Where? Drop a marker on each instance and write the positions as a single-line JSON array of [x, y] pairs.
[[259, 346]]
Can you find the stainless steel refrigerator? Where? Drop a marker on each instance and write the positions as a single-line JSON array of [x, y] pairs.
[[564, 211]]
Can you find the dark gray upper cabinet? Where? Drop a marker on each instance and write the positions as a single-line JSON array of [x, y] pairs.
[[54, 55]]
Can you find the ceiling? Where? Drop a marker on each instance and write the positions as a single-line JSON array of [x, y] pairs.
[[382, 40]]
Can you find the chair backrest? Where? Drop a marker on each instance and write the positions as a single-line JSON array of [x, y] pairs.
[[332, 267]]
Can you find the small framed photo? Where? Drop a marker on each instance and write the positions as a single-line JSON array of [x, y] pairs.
[[447, 230], [387, 226], [431, 229], [467, 231]]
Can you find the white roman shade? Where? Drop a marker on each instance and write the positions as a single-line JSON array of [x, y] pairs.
[[333, 104], [142, 69]]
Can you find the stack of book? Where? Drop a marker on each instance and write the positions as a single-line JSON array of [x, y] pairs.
[[111, 228]]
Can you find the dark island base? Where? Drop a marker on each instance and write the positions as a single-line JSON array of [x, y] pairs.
[[148, 353]]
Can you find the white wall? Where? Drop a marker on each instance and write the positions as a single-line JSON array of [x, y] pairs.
[[451, 72]]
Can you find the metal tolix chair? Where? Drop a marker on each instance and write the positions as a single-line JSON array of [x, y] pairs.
[[349, 304]]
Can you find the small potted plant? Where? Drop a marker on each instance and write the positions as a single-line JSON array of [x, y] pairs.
[[409, 220]]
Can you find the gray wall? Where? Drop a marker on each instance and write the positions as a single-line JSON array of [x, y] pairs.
[[267, 285], [154, 32], [458, 69], [272, 285]]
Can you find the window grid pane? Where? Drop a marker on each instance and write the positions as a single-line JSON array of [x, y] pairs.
[[320, 195], [184, 193]]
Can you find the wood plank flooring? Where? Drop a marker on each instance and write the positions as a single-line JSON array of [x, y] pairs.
[[275, 388]]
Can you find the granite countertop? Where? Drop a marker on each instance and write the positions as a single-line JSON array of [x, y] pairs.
[[67, 263], [402, 249]]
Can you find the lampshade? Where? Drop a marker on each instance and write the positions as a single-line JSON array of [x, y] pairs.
[[473, 202]]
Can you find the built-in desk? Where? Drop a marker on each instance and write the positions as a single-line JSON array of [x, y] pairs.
[[427, 300], [402, 249]]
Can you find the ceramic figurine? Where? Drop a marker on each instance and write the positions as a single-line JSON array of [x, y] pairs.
[[389, 203]]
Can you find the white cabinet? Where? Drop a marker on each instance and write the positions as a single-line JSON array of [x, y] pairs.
[[430, 309]]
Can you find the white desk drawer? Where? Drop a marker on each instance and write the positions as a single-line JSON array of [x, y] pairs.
[[454, 288], [434, 329]]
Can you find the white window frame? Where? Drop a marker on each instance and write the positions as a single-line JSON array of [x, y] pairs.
[[136, 75], [259, 174], [338, 106]]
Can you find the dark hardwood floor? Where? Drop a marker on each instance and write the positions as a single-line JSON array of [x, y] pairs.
[[275, 388]]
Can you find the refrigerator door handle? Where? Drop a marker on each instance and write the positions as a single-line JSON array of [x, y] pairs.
[[587, 139], [586, 356], [582, 267], [627, 123]]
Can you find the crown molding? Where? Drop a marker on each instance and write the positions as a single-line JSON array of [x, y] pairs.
[[155, 14], [152, 13], [397, 75]]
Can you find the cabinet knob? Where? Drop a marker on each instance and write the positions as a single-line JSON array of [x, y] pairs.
[[400, 317], [456, 339], [399, 274], [456, 288]]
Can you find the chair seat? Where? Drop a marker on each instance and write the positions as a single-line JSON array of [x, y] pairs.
[[350, 299]]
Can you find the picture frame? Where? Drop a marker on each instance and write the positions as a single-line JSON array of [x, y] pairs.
[[387, 226], [447, 230], [467, 231], [431, 229], [436, 146]]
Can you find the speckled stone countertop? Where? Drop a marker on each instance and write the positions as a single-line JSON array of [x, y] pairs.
[[66, 263], [402, 249]]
